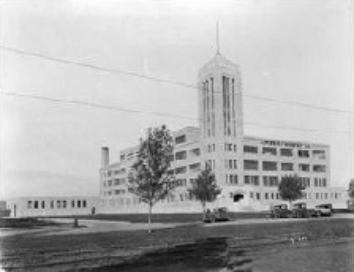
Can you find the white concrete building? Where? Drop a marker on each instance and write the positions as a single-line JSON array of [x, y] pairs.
[[248, 169], [51, 206]]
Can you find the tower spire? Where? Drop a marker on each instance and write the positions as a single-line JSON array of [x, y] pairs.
[[217, 39]]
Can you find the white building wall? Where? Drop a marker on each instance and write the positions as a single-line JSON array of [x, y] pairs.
[[52, 206]]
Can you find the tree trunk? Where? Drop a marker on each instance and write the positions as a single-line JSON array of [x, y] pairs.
[[203, 205], [149, 218]]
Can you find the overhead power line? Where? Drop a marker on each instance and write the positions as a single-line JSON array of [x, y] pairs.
[[95, 67], [93, 105], [168, 115], [166, 81]]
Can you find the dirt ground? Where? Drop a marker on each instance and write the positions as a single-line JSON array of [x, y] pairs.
[[246, 246]]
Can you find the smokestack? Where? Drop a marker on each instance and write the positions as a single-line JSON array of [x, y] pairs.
[[104, 156]]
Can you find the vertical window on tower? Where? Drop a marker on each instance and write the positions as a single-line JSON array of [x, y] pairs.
[[212, 107], [224, 102], [226, 105], [233, 108], [204, 108]]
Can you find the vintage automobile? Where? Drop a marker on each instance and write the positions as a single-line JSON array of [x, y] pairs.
[[300, 210], [280, 211], [218, 214], [324, 209]]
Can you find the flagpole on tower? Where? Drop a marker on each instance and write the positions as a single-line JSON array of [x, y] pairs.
[[217, 38]]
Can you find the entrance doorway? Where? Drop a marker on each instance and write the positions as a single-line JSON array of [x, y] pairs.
[[238, 197]]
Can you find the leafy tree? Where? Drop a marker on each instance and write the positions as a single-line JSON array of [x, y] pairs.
[[204, 187], [149, 178], [351, 189], [290, 188]]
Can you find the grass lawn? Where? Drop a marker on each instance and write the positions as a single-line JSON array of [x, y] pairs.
[[114, 249], [167, 218]]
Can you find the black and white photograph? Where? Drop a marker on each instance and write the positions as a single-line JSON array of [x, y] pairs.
[[176, 135]]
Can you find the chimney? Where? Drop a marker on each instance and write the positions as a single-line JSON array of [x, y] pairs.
[[105, 157]]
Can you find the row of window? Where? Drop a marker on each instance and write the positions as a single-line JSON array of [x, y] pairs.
[[273, 195], [128, 156], [37, 204], [253, 195], [114, 172], [114, 192], [230, 164], [230, 147], [272, 181], [284, 166], [117, 181], [266, 196], [286, 152], [182, 155]]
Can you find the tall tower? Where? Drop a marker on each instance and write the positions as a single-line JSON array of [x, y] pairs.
[[221, 117]]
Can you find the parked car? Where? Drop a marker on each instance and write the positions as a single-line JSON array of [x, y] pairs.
[[280, 211], [218, 214], [300, 210], [324, 209]]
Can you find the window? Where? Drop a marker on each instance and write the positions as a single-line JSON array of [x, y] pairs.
[[79, 203], [180, 139], [43, 204], [319, 168], [270, 181], [250, 149], [303, 153], [286, 152], [265, 181], [269, 150], [273, 181], [72, 203], [233, 180], [194, 167], [285, 166], [84, 203], [252, 180], [324, 182], [305, 182], [195, 152], [122, 157], [64, 204], [58, 204], [304, 167], [258, 196], [316, 182], [36, 204], [250, 165], [319, 154], [251, 195], [52, 204], [228, 147], [181, 170], [266, 195], [269, 166], [29, 204], [181, 155]]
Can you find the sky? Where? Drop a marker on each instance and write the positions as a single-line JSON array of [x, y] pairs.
[[290, 50]]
